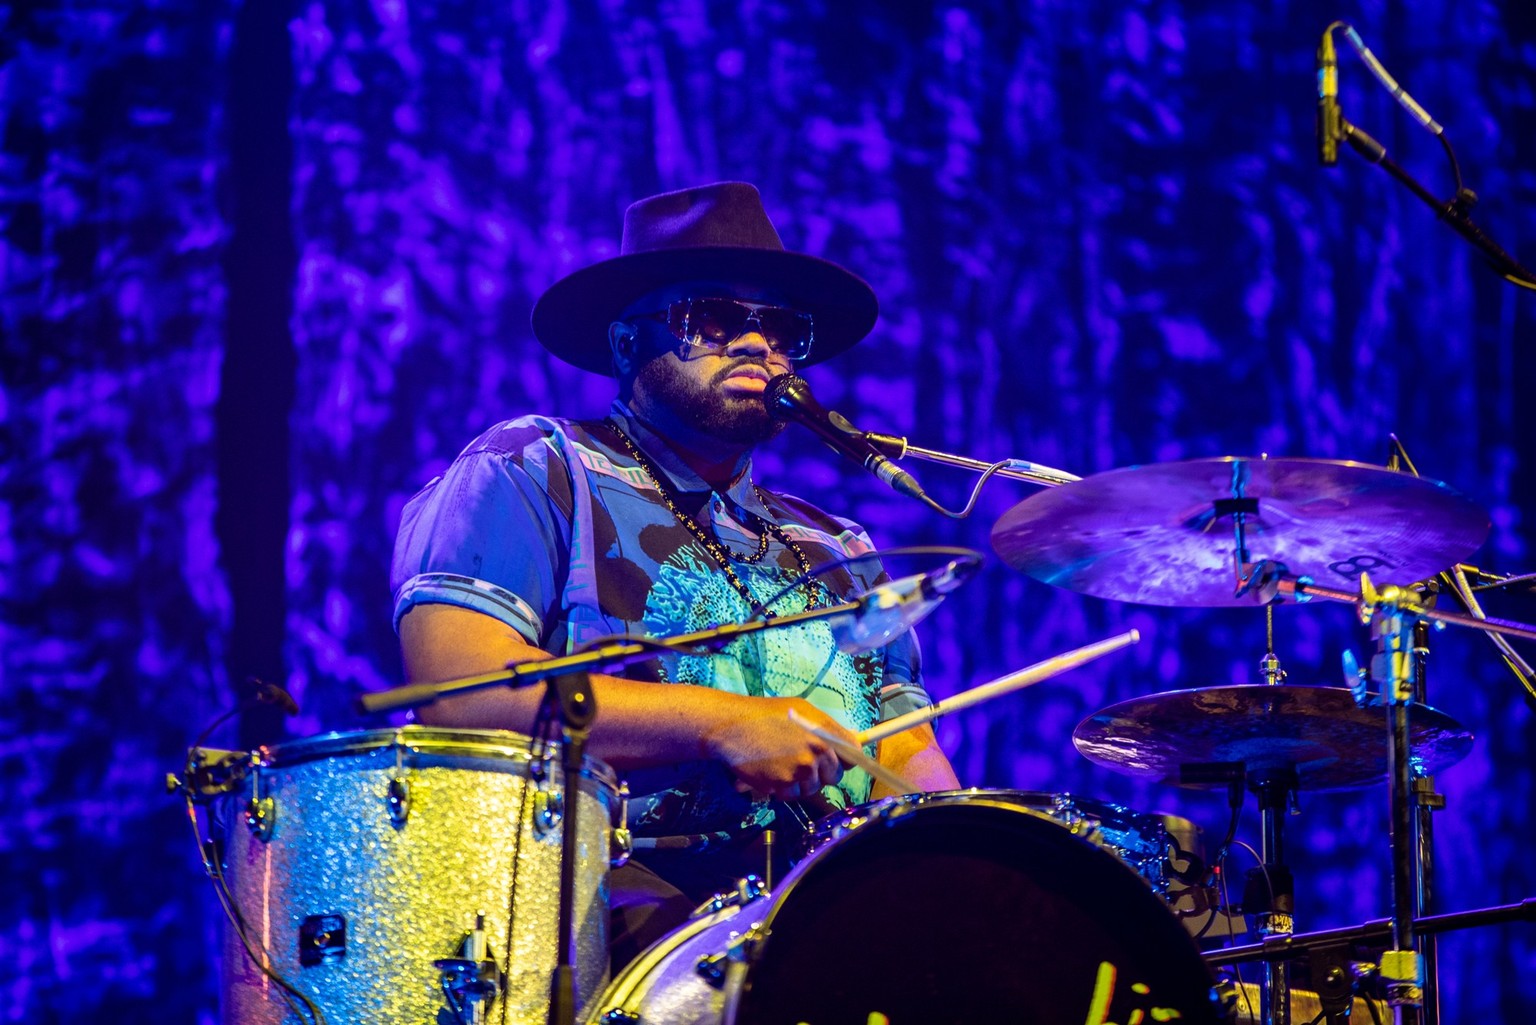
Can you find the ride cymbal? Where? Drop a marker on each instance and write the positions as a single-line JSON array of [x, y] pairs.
[[1162, 534]]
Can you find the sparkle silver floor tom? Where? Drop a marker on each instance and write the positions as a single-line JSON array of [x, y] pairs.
[[360, 862], [969, 910]]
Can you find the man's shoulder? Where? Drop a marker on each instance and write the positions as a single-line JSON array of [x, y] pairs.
[[521, 436]]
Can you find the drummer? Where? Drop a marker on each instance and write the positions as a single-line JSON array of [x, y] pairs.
[[546, 533]]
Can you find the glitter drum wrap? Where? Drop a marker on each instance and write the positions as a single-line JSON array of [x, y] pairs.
[[1020, 919], [470, 842]]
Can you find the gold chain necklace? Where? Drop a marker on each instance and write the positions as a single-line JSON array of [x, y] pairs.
[[717, 550]]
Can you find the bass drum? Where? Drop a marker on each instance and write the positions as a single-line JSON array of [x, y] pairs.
[[950, 911], [1162, 849], [359, 862]]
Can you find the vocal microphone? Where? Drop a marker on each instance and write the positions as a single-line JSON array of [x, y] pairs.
[[1328, 128], [788, 397], [891, 609]]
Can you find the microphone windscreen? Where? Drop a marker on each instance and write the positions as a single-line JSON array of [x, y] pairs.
[[786, 395]]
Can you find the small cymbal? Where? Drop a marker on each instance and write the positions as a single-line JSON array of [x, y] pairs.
[[1319, 733], [1156, 534]]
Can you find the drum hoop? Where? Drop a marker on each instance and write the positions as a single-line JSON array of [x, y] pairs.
[[629, 983], [1108, 815], [502, 745], [780, 894]]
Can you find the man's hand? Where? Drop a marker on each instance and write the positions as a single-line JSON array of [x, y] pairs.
[[771, 756]]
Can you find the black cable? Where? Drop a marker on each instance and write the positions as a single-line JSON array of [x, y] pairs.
[[1450, 155], [231, 909], [1370, 1005], [975, 494], [538, 747], [1235, 804], [1237, 969]]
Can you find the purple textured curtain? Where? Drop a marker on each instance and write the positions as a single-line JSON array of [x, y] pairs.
[[1100, 237]]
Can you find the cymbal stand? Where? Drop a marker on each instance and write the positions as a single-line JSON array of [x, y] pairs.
[[1391, 613], [1425, 803], [1402, 967], [1269, 894]]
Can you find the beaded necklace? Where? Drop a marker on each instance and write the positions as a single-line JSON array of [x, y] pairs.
[[718, 551]]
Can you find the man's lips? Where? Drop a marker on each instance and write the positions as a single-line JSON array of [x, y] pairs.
[[747, 378]]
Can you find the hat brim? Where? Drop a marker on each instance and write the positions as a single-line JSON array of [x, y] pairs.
[[571, 319]]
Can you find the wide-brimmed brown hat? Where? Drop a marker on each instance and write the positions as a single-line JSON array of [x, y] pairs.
[[714, 232]]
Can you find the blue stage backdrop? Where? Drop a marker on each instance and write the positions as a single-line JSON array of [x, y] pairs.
[[264, 271]]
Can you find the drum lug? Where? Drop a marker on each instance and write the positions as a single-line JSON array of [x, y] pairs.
[[712, 968], [261, 817], [260, 812], [548, 810], [747, 889], [619, 1016], [399, 801]]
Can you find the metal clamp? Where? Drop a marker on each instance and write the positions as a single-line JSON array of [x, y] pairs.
[[623, 844], [472, 981]]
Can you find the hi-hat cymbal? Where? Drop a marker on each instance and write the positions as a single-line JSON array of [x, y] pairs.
[[1317, 733], [1162, 534]]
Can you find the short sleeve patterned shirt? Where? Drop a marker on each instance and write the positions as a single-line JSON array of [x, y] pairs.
[[550, 526]]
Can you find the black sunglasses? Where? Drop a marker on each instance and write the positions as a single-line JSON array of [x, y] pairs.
[[716, 323]]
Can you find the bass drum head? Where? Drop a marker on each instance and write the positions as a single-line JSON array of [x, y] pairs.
[[973, 912]]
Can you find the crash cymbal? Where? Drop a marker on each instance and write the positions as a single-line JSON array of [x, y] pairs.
[[1162, 534], [1319, 733]]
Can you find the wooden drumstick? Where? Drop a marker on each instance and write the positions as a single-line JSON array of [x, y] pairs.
[[856, 756], [997, 688]]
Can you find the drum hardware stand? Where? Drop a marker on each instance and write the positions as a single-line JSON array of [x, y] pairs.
[[1391, 613], [1273, 914], [1369, 934], [568, 695], [1269, 892]]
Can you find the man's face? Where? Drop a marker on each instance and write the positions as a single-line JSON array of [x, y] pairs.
[[715, 391]]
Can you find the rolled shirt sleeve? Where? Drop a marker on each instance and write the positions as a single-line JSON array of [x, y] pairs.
[[489, 534]]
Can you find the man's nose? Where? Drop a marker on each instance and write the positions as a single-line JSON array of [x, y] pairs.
[[750, 342]]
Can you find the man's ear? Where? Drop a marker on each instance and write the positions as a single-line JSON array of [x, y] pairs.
[[621, 342]]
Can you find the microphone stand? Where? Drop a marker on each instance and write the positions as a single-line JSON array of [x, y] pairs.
[[568, 692], [1454, 213], [606, 658]]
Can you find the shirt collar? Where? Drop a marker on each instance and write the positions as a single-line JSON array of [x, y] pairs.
[[676, 474]]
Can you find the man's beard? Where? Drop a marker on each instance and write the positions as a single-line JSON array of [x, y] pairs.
[[703, 406]]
